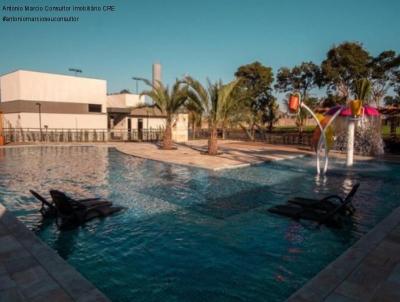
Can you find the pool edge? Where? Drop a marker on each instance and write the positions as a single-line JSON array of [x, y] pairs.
[[30, 269], [332, 284]]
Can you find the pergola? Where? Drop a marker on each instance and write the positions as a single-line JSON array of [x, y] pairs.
[[392, 115]]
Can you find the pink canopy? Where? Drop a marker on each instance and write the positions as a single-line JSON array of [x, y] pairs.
[[346, 111]]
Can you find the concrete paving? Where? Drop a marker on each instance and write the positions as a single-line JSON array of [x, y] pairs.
[[233, 154], [32, 271]]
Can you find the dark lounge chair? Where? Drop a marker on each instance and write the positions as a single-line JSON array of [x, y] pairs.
[[73, 213], [328, 203], [329, 215], [48, 209], [297, 212]]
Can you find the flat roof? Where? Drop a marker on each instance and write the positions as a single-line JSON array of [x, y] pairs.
[[147, 111], [51, 73]]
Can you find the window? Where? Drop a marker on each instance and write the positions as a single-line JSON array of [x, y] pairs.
[[94, 108]]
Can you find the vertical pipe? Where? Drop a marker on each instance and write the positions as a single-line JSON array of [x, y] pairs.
[[323, 136], [156, 74], [350, 141]]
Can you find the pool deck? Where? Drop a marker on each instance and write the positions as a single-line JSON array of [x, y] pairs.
[[233, 154], [367, 271], [31, 271]]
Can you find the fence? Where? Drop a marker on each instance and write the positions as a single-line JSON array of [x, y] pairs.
[[279, 138], [25, 135]]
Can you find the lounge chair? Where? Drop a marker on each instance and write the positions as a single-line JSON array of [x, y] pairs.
[[297, 212], [317, 210], [48, 209], [73, 213], [340, 208], [328, 203]]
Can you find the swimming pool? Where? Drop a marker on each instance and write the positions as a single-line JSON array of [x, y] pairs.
[[190, 234]]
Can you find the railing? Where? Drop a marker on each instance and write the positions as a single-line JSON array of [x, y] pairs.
[[279, 138], [32, 135]]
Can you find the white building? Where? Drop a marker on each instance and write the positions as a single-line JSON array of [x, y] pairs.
[[33, 100], [67, 102], [130, 112]]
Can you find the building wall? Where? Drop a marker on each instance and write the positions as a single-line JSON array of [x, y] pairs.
[[55, 120], [64, 100], [45, 87], [125, 100], [10, 87], [180, 128], [151, 123]]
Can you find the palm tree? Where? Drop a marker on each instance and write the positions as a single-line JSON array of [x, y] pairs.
[[169, 101], [195, 115], [362, 90], [216, 102]]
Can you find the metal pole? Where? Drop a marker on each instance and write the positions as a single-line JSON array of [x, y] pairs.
[[75, 71], [40, 120], [323, 136], [137, 79], [320, 138], [303, 105], [350, 141]]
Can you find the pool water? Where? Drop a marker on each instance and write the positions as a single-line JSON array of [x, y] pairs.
[[190, 234]]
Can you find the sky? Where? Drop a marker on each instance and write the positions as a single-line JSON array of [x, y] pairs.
[[203, 38]]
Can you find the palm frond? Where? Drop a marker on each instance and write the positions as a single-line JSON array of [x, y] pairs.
[[362, 89]]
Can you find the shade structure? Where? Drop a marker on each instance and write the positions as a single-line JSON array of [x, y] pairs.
[[346, 111]]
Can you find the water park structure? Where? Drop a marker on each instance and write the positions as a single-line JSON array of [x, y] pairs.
[[338, 127]]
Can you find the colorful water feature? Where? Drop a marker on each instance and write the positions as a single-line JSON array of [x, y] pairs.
[[354, 129]]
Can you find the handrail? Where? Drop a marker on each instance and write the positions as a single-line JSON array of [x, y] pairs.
[[80, 135]]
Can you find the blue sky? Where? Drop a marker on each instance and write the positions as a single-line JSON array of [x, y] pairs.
[[207, 38]]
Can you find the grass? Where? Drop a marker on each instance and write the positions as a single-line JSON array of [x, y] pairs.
[[386, 130]]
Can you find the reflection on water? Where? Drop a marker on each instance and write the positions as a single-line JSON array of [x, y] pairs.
[[189, 234]]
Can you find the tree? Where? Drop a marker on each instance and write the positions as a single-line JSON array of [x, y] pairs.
[[332, 100], [302, 78], [124, 91], [258, 103], [392, 100], [384, 70], [195, 115], [216, 102], [271, 115], [303, 114], [169, 101], [343, 65]]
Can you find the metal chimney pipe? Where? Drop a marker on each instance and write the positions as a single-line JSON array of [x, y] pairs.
[[156, 74]]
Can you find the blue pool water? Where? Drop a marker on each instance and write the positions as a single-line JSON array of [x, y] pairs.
[[189, 234]]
